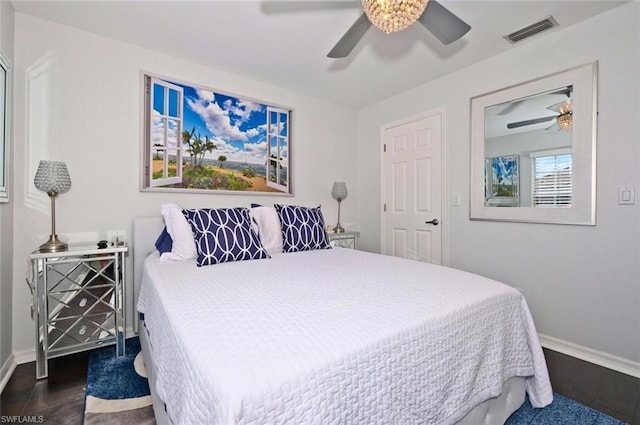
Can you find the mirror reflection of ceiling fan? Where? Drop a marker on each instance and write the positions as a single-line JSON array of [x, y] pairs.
[[563, 117], [388, 16]]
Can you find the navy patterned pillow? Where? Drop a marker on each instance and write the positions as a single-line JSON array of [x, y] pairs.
[[302, 228], [224, 234]]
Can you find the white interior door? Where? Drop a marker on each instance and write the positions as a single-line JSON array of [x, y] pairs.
[[412, 176]]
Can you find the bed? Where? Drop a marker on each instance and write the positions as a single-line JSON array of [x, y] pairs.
[[332, 336]]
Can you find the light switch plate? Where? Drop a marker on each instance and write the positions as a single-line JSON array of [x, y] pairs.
[[626, 196]]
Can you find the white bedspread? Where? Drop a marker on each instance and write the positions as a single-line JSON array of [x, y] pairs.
[[334, 337]]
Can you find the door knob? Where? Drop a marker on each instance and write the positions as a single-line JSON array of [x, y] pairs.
[[435, 222]]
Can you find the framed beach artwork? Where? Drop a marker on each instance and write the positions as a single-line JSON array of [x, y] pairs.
[[200, 139], [502, 183]]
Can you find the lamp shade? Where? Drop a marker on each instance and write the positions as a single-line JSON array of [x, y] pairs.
[[52, 176], [339, 191]]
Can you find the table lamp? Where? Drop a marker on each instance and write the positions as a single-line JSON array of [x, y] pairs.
[[339, 193], [52, 177]]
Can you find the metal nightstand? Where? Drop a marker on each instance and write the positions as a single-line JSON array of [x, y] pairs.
[[78, 297], [348, 239]]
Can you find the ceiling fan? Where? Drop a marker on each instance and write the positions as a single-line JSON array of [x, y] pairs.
[[441, 22], [563, 117], [387, 15]]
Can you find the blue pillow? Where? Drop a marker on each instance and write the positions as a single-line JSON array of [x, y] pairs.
[[164, 243], [224, 234], [302, 228]]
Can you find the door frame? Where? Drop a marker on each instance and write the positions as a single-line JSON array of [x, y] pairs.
[[442, 111]]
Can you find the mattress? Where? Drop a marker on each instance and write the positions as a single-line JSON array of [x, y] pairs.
[[334, 337]]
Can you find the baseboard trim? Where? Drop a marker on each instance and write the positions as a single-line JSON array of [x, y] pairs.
[[7, 370], [609, 361], [25, 356]]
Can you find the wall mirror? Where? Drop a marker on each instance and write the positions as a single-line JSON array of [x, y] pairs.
[[533, 150]]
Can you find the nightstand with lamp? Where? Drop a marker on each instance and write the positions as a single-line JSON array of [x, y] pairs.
[[78, 290]]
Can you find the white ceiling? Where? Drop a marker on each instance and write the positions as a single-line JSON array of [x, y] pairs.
[[285, 43]]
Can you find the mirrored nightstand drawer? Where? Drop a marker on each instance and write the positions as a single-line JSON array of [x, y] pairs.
[[348, 239]]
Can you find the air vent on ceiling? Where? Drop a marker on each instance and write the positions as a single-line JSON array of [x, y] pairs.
[[531, 30]]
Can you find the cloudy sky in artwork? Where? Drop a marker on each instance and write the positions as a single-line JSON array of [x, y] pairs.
[[236, 126]]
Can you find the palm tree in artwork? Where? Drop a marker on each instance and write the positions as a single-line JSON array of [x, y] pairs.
[[187, 140], [208, 146]]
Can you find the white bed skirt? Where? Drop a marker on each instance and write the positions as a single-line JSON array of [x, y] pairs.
[[494, 411]]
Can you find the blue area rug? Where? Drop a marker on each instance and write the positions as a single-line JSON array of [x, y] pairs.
[[562, 411], [117, 388], [118, 394]]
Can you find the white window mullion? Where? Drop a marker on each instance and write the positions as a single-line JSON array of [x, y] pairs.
[[277, 131], [166, 119]]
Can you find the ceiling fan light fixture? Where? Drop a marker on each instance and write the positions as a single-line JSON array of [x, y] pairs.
[[565, 121], [393, 15]]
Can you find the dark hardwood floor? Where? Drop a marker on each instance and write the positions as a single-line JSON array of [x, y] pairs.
[[606, 390], [59, 398]]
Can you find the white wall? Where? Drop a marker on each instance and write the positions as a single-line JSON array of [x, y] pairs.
[[582, 283], [6, 210], [78, 100]]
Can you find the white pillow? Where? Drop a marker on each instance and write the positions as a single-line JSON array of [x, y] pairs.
[[269, 229], [184, 245]]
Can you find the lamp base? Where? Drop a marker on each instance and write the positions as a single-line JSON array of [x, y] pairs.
[[53, 245], [338, 228]]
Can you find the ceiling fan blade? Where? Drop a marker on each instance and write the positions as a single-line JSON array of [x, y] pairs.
[[565, 91], [517, 124], [345, 45], [442, 23], [553, 127], [561, 107], [510, 107]]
